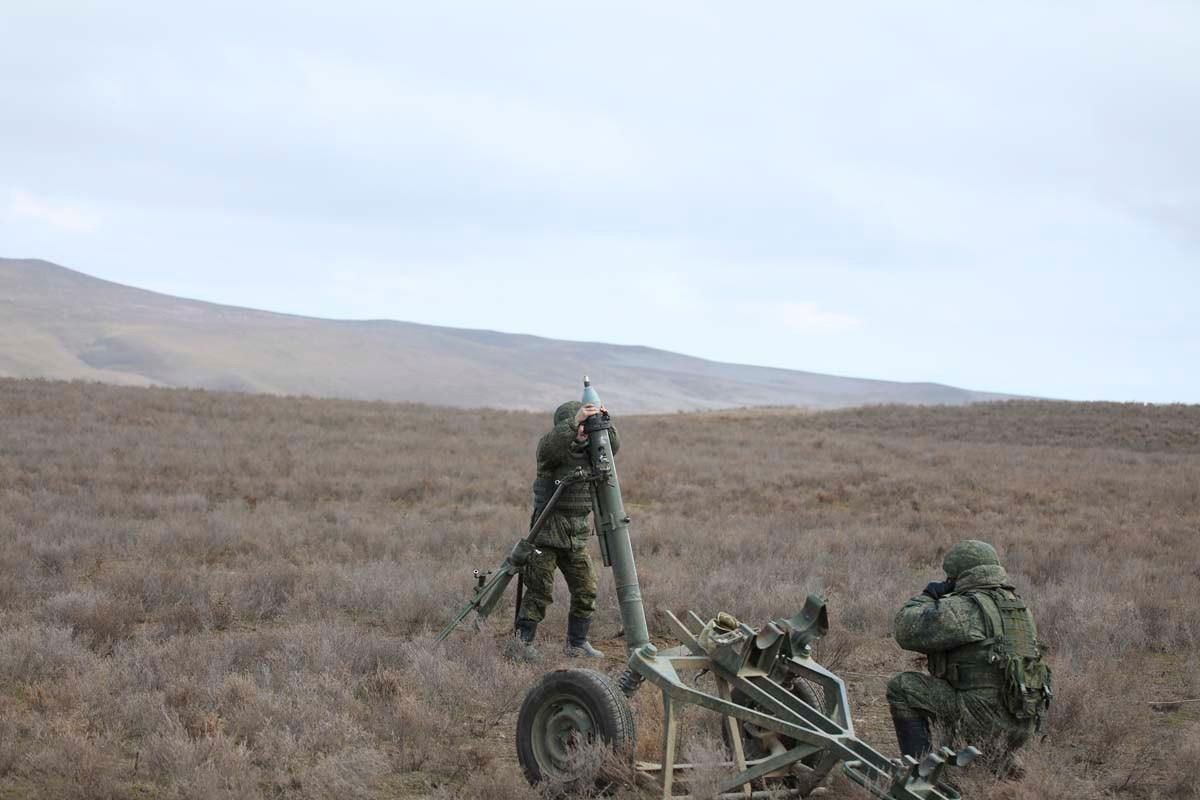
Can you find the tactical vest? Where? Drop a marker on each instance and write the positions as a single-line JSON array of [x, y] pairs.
[[567, 525], [543, 490], [575, 501], [1008, 660]]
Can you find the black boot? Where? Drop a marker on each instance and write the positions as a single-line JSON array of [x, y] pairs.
[[577, 641], [521, 647], [913, 736], [526, 629]]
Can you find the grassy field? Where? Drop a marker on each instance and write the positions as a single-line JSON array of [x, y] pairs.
[[226, 596]]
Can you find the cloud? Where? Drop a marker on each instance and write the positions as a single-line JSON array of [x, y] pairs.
[[807, 317], [994, 198], [63, 218]]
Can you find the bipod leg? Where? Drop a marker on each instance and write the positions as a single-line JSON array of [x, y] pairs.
[[520, 597], [457, 620], [670, 731], [733, 730]]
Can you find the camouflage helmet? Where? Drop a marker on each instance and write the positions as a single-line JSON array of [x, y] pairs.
[[567, 411], [967, 554]]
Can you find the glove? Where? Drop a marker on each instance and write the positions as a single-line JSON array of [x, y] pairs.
[[938, 589], [521, 552]]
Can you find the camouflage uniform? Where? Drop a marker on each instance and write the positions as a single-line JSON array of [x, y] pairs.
[[564, 538], [987, 683]]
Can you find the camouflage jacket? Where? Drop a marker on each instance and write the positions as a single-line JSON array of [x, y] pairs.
[[558, 455], [925, 625], [953, 630]]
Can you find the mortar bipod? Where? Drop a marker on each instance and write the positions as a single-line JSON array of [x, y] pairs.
[[787, 719]]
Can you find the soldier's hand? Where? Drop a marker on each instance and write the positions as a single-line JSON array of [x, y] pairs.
[[584, 412], [938, 589]]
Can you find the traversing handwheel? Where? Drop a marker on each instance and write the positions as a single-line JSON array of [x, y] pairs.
[[564, 713]]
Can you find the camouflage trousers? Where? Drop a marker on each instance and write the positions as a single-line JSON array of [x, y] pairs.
[[973, 716], [538, 574]]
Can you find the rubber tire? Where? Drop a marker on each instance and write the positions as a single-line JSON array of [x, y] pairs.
[[597, 693]]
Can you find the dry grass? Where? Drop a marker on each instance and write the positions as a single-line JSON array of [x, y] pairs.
[[211, 595]]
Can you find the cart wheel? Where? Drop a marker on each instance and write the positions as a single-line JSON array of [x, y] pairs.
[[566, 710], [809, 771]]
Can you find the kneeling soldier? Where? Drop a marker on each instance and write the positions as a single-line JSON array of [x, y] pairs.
[[987, 682]]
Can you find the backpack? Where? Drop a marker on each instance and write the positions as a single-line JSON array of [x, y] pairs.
[[1026, 685]]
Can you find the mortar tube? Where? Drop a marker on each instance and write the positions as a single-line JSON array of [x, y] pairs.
[[614, 525]]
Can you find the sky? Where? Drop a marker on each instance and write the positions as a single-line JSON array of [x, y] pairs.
[[1000, 196]]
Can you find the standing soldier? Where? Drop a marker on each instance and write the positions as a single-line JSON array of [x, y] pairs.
[[562, 542], [987, 682]]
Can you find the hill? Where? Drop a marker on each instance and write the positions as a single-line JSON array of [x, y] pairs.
[[58, 323]]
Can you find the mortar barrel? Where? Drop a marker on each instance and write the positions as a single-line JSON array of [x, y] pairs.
[[614, 525]]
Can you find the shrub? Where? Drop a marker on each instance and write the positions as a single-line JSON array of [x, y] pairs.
[[95, 618], [237, 593]]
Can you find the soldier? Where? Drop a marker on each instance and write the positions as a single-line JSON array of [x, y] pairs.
[[562, 542], [987, 682]]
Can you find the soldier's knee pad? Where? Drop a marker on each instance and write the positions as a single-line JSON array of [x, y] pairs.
[[900, 688], [895, 688]]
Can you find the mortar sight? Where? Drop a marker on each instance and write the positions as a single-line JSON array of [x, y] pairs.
[[810, 624]]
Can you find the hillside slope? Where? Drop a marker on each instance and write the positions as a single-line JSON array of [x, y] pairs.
[[58, 323]]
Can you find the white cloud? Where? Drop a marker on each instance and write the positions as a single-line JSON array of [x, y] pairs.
[[63, 218], [804, 317]]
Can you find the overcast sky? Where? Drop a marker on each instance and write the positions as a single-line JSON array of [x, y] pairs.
[[1000, 196]]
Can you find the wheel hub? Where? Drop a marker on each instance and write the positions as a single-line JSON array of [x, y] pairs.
[[563, 725]]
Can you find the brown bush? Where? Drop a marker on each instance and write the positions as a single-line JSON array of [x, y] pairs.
[[75, 767], [12, 744], [35, 652], [97, 619], [209, 595]]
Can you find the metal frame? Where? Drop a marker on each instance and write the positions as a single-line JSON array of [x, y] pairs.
[[757, 674]]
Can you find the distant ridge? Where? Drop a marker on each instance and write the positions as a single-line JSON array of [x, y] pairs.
[[58, 323]]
